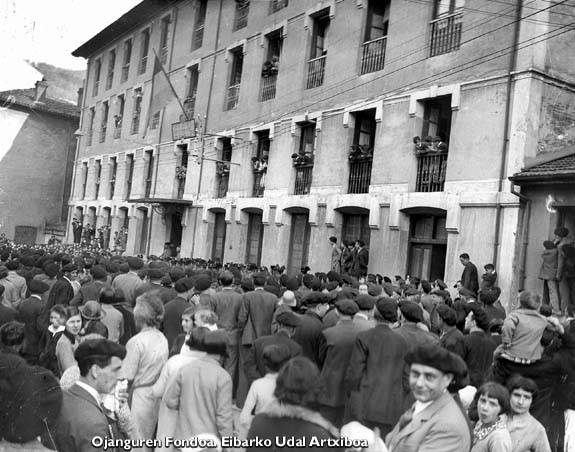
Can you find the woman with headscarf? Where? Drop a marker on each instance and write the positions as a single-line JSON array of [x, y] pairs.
[[147, 352]]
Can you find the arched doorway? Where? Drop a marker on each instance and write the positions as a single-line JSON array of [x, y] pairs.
[[427, 243]]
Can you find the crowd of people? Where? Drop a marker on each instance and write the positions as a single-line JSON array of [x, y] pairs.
[[107, 351]]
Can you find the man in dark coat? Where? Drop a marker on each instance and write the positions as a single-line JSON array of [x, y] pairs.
[[450, 338], [336, 347], [30, 314], [62, 291], [478, 345], [254, 320], [287, 322], [469, 277], [361, 259], [226, 304], [173, 310], [376, 363], [91, 290], [83, 417], [130, 281], [308, 334]]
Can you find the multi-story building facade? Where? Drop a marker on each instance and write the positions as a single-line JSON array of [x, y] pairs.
[[397, 123]]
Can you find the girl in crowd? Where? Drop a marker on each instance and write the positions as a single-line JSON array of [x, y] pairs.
[[490, 433]]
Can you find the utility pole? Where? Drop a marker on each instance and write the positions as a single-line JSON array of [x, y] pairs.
[[201, 157]]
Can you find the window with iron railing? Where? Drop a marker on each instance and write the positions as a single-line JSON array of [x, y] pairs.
[[361, 153], [127, 60], [318, 54], [149, 174], [164, 38], [276, 5], [199, 25], [144, 49], [303, 159], [98, 176], [113, 171], [223, 167], [260, 164], [84, 179], [446, 27], [271, 66], [242, 13], [90, 131], [181, 173], [137, 111], [373, 47], [111, 66], [119, 116], [233, 94], [192, 90]]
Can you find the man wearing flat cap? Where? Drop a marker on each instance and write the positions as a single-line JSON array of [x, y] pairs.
[[364, 317], [287, 322], [83, 416], [62, 291], [435, 422], [30, 314], [308, 332], [375, 372], [173, 310], [335, 349]]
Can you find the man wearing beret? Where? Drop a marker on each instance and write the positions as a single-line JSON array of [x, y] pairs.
[[287, 322], [62, 291], [172, 325], [308, 332], [363, 319], [435, 422], [254, 320], [91, 290], [83, 416], [30, 314], [375, 371], [335, 349]]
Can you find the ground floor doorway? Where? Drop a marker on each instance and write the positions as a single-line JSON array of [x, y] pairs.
[[427, 246]]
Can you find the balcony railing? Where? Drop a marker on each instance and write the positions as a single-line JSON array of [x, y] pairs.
[[198, 38], [181, 187], [303, 179], [233, 97], [89, 135], [315, 72], [446, 34], [125, 72], [431, 170], [184, 129], [163, 55], [242, 13], [373, 55], [359, 176], [268, 87], [259, 184], [117, 132], [223, 182]]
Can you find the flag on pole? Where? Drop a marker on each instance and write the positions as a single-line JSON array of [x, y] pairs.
[[162, 93]]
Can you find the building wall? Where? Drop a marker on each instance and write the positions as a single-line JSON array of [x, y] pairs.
[[35, 149]]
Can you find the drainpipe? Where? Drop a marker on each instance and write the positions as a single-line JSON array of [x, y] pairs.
[[505, 148], [525, 234], [205, 128]]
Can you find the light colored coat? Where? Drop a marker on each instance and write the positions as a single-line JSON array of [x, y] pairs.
[[439, 427]]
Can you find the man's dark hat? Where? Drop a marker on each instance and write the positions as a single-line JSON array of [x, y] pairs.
[[411, 311], [101, 348], [202, 282], [99, 272], [365, 302], [387, 308], [465, 292], [347, 307], [135, 262], [183, 285], [288, 318], [441, 359], [38, 287], [441, 284], [314, 298], [68, 268], [156, 273], [92, 310]]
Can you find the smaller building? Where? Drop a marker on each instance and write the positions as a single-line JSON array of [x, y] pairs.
[[37, 149]]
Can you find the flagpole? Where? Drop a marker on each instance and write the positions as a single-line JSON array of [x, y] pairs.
[[170, 83]]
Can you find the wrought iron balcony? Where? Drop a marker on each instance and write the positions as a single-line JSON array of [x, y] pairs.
[[373, 55], [446, 34], [303, 176], [233, 97], [184, 129], [268, 87], [315, 72], [259, 184], [431, 170], [359, 175]]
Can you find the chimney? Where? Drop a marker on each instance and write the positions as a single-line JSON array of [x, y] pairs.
[[80, 96], [41, 87]]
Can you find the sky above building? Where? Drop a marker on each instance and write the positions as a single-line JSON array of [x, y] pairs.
[[48, 31]]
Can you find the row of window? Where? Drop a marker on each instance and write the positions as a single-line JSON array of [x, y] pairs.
[[445, 37]]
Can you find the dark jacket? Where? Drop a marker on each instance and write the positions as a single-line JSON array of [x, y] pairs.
[[172, 325], [335, 349], [469, 278], [478, 349], [308, 335], [255, 316], [6, 314], [254, 366], [452, 340], [376, 363], [81, 419], [30, 314], [129, 322], [287, 421], [226, 304], [89, 291], [361, 262]]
